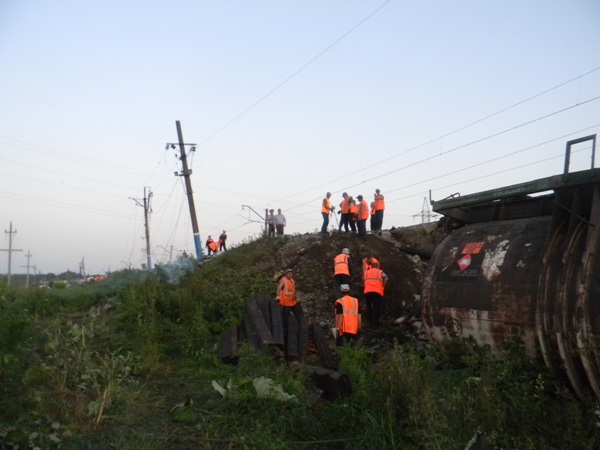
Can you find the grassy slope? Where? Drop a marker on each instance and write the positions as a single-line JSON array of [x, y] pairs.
[[129, 364]]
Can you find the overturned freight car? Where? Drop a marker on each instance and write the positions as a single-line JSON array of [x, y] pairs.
[[524, 260]]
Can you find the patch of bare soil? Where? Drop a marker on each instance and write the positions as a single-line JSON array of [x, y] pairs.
[[403, 254]]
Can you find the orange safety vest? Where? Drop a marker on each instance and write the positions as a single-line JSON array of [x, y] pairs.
[[379, 203], [287, 293], [341, 264], [373, 208], [349, 321], [345, 206], [326, 207], [373, 279], [363, 211], [354, 209], [214, 246]]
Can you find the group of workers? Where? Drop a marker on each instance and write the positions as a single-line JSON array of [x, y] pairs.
[[348, 319], [355, 213], [347, 312], [212, 246]]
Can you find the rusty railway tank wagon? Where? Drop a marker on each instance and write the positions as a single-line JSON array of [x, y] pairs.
[[524, 261]]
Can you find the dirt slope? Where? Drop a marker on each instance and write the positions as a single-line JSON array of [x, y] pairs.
[[402, 254]]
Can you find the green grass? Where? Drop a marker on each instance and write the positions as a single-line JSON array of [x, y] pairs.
[[131, 364]]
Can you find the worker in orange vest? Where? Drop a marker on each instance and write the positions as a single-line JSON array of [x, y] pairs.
[[379, 208], [214, 246], [286, 295], [347, 316], [208, 247], [345, 212], [326, 209], [363, 215], [375, 281], [342, 269]]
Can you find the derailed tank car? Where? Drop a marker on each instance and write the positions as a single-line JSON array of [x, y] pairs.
[[524, 265]]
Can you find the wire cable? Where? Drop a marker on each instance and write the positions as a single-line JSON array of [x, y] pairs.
[[402, 153], [296, 72], [460, 147]]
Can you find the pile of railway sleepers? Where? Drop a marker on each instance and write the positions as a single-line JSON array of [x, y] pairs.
[[262, 328]]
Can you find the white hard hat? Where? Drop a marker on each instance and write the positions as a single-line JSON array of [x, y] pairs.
[[344, 288], [346, 251]]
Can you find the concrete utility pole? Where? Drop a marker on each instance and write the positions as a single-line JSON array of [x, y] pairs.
[[28, 256], [185, 173], [82, 267], [10, 250], [147, 210]]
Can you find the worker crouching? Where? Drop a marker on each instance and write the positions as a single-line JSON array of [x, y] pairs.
[[347, 317]]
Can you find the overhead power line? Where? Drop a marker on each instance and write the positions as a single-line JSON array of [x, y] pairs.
[[296, 72], [443, 136], [429, 158], [454, 172]]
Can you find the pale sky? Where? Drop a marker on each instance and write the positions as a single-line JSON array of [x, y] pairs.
[[286, 100]]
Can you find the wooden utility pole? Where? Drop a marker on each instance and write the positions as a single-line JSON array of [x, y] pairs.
[[188, 189], [10, 250]]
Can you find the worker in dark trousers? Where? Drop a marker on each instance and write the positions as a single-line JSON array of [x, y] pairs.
[[375, 281], [286, 294], [342, 269], [208, 247], [222, 239], [347, 317], [326, 209], [271, 223], [379, 208], [345, 212], [363, 215]]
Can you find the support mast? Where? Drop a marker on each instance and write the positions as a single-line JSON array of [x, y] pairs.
[[190, 195]]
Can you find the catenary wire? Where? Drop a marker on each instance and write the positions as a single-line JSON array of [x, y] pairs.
[[421, 161], [443, 136], [296, 72]]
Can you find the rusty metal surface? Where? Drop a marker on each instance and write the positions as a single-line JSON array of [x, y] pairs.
[[482, 282], [521, 190], [538, 278]]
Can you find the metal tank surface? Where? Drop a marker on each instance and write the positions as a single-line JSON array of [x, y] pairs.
[[527, 266], [482, 282]]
